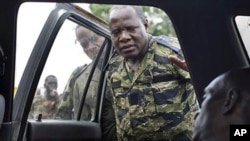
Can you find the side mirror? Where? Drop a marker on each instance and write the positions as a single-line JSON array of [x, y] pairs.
[[2, 109]]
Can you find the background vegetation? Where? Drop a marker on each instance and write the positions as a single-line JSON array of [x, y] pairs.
[[159, 22]]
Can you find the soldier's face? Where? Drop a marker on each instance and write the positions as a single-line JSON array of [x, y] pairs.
[[94, 44], [89, 40], [51, 83], [128, 32]]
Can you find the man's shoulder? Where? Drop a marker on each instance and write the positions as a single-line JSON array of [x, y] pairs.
[[115, 61], [75, 73], [79, 69], [168, 42], [39, 99]]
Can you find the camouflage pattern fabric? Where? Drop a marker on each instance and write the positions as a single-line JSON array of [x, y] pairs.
[[65, 110], [45, 106], [108, 122], [156, 102], [74, 91]]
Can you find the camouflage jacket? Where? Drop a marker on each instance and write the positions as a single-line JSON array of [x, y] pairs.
[[73, 93], [42, 105], [156, 102]]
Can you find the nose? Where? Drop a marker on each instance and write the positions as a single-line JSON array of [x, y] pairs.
[[93, 46], [125, 36]]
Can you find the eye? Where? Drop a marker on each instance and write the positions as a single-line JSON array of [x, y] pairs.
[[51, 83], [131, 28], [85, 44], [115, 32]]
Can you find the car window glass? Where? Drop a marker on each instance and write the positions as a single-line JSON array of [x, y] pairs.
[[68, 57], [30, 21], [68, 60], [28, 30], [71, 64], [243, 25]]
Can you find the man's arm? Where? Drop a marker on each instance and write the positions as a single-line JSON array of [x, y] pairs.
[[108, 122]]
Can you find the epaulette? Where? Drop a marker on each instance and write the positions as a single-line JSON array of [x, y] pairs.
[[167, 41]]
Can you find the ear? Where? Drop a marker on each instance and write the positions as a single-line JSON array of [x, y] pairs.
[[146, 24], [231, 99]]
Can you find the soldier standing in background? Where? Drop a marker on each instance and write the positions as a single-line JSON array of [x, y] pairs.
[[73, 91], [46, 100]]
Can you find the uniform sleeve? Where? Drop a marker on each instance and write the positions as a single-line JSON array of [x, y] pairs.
[[108, 122], [65, 109], [189, 86], [66, 104], [77, 97], [185, 78]]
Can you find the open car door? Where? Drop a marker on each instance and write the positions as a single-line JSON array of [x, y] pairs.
[[53, 54]]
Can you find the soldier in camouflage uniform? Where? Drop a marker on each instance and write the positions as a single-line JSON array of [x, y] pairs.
[[73, 91], [153, 98], [46, 102]]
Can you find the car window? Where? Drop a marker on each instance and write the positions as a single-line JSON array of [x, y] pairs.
[[69, 57], [68, 73], [30, 21], [243, 25], [31, 18], [71, 64]]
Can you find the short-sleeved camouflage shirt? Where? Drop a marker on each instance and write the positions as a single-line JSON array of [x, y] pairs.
[[45, 106]]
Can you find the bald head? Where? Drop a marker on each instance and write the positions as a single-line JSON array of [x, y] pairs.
[[90, 41], [138, 10], [226, 102], [82, 35], [239, 78], [236, 79]]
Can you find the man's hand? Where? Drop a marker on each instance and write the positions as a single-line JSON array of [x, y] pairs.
[[181, 63]]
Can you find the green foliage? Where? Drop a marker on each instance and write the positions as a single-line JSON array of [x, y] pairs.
[[100, 10], [159, 22]]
